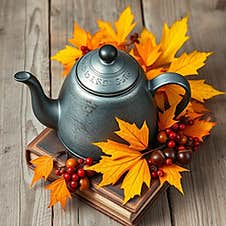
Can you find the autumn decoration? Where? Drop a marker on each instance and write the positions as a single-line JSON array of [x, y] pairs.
[[134, 162]]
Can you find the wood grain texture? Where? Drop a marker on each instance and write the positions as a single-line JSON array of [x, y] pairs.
[[24, 45], [204, 202]]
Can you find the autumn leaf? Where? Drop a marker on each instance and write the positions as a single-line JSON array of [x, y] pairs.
[[199, 129], [59, 192], [123, 158], [202, 91], [199, 107], [172, 176], [172, 40], [154, 73], [43, 167], [137, 138], [188, 64]]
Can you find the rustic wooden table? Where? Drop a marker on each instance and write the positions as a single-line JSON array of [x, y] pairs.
[[30, 32]]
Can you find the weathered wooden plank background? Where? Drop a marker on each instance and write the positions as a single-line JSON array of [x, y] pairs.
[[30, 32]]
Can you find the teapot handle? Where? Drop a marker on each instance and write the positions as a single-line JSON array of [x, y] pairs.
[[171, 78]]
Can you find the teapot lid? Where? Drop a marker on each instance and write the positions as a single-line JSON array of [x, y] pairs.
[[107, 71]]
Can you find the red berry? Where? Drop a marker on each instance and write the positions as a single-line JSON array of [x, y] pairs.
[[171, 144], [81, 172], [162, 137], [196, 139], [88, 161], [74, 177], [178, 137], [83, 48], [172, 135], [70, 170], [180, 148], [73, 184], [175, 126], [169, 162], [80, 161], [196, 144], [190, 122], [67, 176], [149, 161], [57, 172], [160, 173], [154, 174], [168, 131], [181, 126]]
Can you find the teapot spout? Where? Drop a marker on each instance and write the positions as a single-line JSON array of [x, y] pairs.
[[45, 109]]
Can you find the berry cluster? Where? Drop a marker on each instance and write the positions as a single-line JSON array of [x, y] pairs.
[[74, 173], [178, 147], [84, 50], [134, 38]]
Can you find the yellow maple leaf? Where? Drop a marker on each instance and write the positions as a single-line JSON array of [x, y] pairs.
[[199, 129], [123, 158], [172, 40], [172, 176], [137, 138], [59, 192], [154, 72], [202, 91], [43, 167], [199, 107], [188, 64]]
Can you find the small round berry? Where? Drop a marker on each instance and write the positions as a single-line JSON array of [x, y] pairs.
[[162, 137], [180, 148], [196, 139], [190, 138], [183, 139], [160, 173], [168, 131], [84, 183], [71, 162], [196, 143], [70, 170], [81, 172], [171, 144], [90, 173], [182, 126], [157, 158], [184, 157], [67, 176], [74, 177], [154, 174], [88, 161], [83, 48], [172, 135], [153, 168], [73, 184], [175, 126], [190, 122], [178, 137], [150, 162], [80, 161], [169, 153], [57, 172], [169, 162]]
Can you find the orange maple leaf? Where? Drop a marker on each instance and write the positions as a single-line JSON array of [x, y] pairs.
[[199, 129], [123, 158], [43, 167], [59, 192], [172, 176]]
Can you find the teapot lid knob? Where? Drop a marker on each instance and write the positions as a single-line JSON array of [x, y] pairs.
[[108, 53]]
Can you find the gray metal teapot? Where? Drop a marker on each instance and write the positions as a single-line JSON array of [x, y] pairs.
[[104, 84]]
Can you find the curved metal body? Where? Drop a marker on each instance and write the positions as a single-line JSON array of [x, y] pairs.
[[83, 115]]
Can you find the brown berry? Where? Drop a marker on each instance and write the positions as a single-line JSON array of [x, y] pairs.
[[190, 122], [169, 153], [84, 183], [183, 139], [184, 157], [72, 162], [153, 168], [162, 137], [157, 158]]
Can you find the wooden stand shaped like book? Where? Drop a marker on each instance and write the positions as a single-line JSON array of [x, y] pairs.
[[106, 199]]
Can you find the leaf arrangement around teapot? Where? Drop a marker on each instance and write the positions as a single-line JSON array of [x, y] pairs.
[[178, 137]]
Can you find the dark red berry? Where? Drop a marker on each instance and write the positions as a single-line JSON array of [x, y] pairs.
[[175, 126], [62, 170], [162, 137], [190, 138], [74, 177], [180, 148], [190, 122], [168, 131], [157, 158], [196, 139], [169, 153], [153, 168], [196, 143], [195, 148], [169, 162], [83, 48], [73, 184], [182, 126], [154, 174], [57, 172], [171, 144], [80, 161], [67, 176], [88, 161], [172, 135], [178, 137], [70, 170], [149, 161], [160, 173], [184, 157], [81, 172]]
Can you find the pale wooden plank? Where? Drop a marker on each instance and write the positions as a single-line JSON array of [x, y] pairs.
[[204, 202], [63, 15], [24, 45]]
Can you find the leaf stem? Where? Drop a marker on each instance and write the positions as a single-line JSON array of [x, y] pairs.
[[155, 149]]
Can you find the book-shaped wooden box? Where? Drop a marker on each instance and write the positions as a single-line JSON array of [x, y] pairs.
[[106, 199]]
